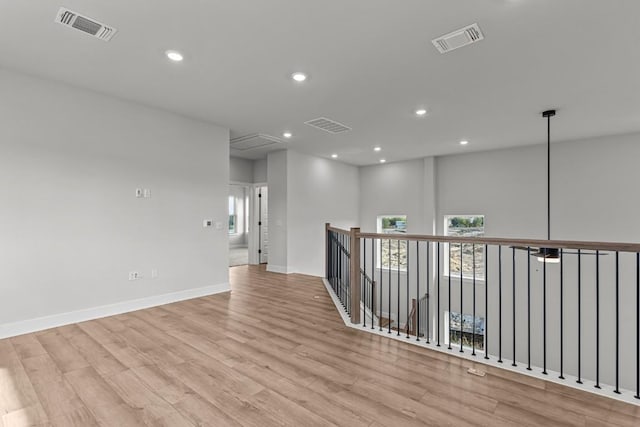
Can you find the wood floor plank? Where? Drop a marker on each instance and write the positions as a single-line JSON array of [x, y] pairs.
[[102, 400], [273, 352], [55, 394]]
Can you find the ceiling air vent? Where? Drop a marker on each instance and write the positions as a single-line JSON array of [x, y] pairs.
[[458, 38], [251, 142], [86, 25], [328, 125]]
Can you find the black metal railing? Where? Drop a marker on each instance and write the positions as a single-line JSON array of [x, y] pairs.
[[554, 308], [368, 298], [338, 266]]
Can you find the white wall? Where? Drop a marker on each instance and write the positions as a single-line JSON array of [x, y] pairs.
[[71, 226], [319, 191], [240, 170], [260, 171], [277, 208], [398, 189]]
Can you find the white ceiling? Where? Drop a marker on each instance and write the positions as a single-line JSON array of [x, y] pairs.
[[371, 64]]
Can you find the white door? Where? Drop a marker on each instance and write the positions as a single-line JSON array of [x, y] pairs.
[[263, 225]]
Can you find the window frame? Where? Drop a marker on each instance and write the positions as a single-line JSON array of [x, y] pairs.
[[233, 205]]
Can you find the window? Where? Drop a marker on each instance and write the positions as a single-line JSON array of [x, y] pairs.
[[461, 330], [232, 215], [467, 226], [392, 253]]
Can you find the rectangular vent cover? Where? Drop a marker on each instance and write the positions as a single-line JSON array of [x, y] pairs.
[[459, 38], [328, 125], [251, 142], [86, 25]]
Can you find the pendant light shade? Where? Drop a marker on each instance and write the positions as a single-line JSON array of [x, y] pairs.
[[548, 255]]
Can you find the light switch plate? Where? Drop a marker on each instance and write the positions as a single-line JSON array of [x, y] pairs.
[[139, 193], [207, 223]]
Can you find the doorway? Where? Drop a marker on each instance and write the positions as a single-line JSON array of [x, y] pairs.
[[262, 203], [239, 210]]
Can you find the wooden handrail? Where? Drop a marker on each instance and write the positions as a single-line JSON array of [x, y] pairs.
[[337, 230], [533, 243]]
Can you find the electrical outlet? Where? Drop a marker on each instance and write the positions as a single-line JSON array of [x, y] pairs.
[[134, 275], [154, 273], [147, 193], [207, 223]]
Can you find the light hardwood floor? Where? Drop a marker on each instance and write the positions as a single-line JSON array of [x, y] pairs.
[[272, 352]]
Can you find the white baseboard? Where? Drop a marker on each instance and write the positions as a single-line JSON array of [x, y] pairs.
[[41, 323], [278, 269]]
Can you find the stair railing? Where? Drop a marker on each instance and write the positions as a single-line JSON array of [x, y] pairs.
[[570, 309]]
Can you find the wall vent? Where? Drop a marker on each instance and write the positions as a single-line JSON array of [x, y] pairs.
[[328, 125], [459, 38], [253, 141], [87, 25]]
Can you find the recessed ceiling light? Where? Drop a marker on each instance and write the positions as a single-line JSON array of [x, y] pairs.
[[287, 135], [421, 112], [377, 148], [464, 142], [174, 55], [299, 77], [334, 156], [383, 161]]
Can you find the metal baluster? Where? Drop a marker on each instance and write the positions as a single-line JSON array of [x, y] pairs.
[[408, 297], [561, 314], [347, 272], [513, 268], [637, 396], [345, 276], [473, 331], [363, 281], [389, 286], [598, 319], [579, 317], [340, 255], [461, 306], [450, 274], [417, 288], [341, 272], [427, 332], [528, 308], [486, 302], [398, 287], [438, 278], [544, 316], [373, 279], [617, 390], [380, 287], [499, 304]]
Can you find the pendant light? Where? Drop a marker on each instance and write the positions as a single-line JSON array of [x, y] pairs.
[[548, 255]]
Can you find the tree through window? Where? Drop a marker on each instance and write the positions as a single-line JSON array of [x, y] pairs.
[[465, 226], [392, 253]]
